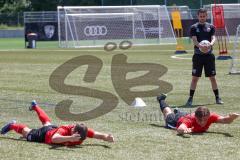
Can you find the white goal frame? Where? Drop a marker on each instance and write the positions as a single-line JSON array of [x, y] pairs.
[[235, 62], [137, 17]]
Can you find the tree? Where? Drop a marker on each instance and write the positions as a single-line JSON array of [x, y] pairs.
[[43, 5], [51, 5], [13, 6]]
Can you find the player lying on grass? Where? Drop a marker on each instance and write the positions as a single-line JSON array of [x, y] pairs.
[[197, 122], [51, 134]]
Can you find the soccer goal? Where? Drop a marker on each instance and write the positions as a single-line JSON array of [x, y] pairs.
[[96, 25], [231, 17], [235, 64]]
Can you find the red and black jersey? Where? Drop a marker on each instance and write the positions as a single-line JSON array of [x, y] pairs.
[[65, 130], [191, 122]]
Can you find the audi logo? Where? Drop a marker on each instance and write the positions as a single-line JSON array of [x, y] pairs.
[[95, 30]]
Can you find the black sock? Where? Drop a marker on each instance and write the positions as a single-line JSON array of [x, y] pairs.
[[216, 92], [191, 93], [163, 105]]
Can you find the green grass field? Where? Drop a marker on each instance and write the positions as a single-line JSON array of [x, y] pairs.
[[25, 76]]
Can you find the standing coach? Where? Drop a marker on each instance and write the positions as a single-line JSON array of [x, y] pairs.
[[203, 55]]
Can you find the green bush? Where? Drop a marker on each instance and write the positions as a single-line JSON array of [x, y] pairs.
[[4, 26]]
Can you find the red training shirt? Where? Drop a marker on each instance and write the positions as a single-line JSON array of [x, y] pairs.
[[190, 121], [65, 131]]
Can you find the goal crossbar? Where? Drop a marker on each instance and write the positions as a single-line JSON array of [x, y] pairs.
[[97, 14], [97, 7]]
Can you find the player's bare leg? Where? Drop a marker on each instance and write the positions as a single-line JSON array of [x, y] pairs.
[[163, 105]]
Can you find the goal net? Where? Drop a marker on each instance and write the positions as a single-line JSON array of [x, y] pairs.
[[95, 26], [185, 11], [231, 17], [235, 64]]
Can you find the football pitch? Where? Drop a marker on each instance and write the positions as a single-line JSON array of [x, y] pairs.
[[139, 132]]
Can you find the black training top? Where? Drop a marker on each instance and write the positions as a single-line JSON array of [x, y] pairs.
[[202, 32]]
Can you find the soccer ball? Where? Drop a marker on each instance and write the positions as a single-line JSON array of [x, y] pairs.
[[205, 43]]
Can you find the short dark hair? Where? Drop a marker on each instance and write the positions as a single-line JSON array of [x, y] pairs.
[[82, 130], [202, 10], [202, 111]]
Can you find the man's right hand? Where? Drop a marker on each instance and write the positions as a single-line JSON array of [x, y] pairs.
[[188, 130], [109, 138]]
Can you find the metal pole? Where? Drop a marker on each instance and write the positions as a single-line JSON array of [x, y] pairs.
[[165, 2], [131, 2], [200, 3], [18, 21], [102, 2]]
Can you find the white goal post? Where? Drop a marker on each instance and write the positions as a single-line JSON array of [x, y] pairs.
[[235, 63], [94, 26]]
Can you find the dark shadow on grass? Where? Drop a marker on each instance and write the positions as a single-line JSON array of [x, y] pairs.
[[232, 74], [15, 139], [157, 125], [91, 145], [160, 126], [202, 134], [60, 147], [193, 106], [184, 135], [194, 134], [211, 132], [222, 133]]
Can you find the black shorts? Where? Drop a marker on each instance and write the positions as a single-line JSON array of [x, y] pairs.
[[206, 61], [38, 135], [172, 118]]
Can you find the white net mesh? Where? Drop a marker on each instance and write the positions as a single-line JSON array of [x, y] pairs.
[[231, 16], [95, 26], [235, 65]]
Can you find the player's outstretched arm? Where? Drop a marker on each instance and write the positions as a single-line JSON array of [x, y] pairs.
[[58, 139], [103, 136], [228, 119]]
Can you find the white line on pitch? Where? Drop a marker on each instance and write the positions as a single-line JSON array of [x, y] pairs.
[[181, 56]]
